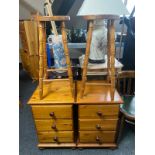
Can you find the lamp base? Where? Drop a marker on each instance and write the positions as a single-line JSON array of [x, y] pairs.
[[96, 61]]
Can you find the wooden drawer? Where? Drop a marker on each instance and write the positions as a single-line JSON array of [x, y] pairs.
[[98, 124], [54, 125], [98, 111], [52, 111], [55, 137], [97, 136]]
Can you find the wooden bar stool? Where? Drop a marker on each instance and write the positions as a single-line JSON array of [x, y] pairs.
[[43, 70], [110, 52]]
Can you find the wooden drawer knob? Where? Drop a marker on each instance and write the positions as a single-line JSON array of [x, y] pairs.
[[51, 114], [55, 138], [54, 126], [97, 139], [98, 126], [99, 113]]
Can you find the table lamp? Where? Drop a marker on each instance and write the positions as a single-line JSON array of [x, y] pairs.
[[98, 47]]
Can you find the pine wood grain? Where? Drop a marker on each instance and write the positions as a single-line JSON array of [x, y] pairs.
[[95, 94], [57, 92], [111, 49], [51, 18], [60, 125], [66, 52], [29, 39], [91, 111], [64, 145], [31, 35], [94, 17], [91, 136], [95, 145], [85, 65], [97, 124], [41, 60], [60, 111], [48, 137]]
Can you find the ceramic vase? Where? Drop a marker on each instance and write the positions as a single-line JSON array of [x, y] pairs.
[[98, 47]]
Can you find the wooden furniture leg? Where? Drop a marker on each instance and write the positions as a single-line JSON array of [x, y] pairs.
[[108, 52], [66, 51], [44, 53], [84, 76], [112, 56], [40, 28]]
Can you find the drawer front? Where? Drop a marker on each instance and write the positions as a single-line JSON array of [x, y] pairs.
[[52, 112], [55, 137], [97, 136], [98, 111], [97, 124], [54, 125]]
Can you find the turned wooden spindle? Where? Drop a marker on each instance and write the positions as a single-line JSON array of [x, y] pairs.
[[40, 29], [108, 52], [85, 64], [112, 56], [44, 53], [66, 51]]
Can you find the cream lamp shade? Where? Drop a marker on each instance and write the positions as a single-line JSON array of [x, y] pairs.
[[102, 7]]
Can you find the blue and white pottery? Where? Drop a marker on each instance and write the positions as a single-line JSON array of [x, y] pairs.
[[58, 52]]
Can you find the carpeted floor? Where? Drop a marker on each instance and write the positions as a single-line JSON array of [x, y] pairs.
[[28, 138]]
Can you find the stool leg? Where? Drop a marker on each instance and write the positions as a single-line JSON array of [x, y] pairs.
[[111, 48], [108, 52], [40, 28], [44, 53], [85, 65], [66, 51]]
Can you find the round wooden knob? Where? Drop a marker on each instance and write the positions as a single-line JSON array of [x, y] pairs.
[[99, 113], [55, 138], [54, 126], [51, 114], [97, 139], [98, 126]]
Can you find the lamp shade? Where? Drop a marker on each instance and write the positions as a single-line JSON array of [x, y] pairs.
[[102, 7]]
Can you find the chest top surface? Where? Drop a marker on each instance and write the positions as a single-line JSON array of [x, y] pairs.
[[58, 92], [97, 94]]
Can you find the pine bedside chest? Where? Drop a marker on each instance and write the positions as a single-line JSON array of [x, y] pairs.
[[98, 101], [53, 115], [97, 116]]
